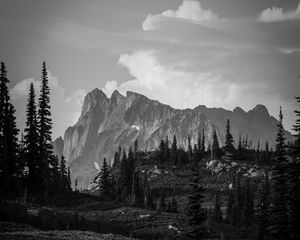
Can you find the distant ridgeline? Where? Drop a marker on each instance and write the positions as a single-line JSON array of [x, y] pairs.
[[107, 123]]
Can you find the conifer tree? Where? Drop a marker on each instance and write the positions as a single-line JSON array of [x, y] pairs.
[[174, 154], [45, 130], [63, 174], [294, 182], [196, 215], [190, 150], [31, 144], [104, 181], [228, 147], [203, 143], [279, 211], [8, 140], [215, 146]]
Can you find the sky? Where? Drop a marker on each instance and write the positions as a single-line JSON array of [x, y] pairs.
[[184, 53]]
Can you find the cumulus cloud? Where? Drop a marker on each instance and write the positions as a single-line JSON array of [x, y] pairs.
[[65, 109], [276, 14], [171, 85], [189, 10]]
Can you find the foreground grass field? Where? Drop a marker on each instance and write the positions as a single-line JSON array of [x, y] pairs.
[[17, 231]]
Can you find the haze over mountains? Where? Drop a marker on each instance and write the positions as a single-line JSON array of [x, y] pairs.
[[107, 123]]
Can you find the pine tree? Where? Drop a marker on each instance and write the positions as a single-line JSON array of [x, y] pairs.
[[174, 154], [8, 140], [190, 150], [196, 215], [31, 145], [278, 212], [203, 143], [228, 147], [104, 181], [63, 174], [45, 130], [69, 181], [294, 182], [215, 146]]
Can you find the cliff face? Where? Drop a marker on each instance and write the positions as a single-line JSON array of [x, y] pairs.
[[105, 124]]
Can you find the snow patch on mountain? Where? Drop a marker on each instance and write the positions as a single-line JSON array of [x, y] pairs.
[[136, 127]]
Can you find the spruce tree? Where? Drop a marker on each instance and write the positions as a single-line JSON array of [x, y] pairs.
[[279, 211], [8, 140], [104, 183], [229, 150], [45, 131], [174, 154], [195, 213], [63, 174], [31, 145], [215, 146], [190, 150], [294, 182]]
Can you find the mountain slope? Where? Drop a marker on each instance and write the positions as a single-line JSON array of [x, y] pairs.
[[107, 123]]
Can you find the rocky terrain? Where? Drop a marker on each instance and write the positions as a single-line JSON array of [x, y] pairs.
[[107, 123]]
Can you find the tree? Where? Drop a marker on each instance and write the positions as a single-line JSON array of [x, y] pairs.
[[215, 151], [31, 144], [63, 174], [8, 140], [174, 155], [190, 150], [203, 143], [294, 188], [104, 181], [228, 138], [45, 130], [195, 213], [229, 150], [279, 212]]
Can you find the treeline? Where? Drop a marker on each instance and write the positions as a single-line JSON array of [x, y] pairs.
[[269, 210], [29, 170]]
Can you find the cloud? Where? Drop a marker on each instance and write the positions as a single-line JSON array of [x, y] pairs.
[[65, 109], [189, 10], [172, 85], [289, 50], [276, 14]]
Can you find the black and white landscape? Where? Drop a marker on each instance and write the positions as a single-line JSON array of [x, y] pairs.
[[175, 119]]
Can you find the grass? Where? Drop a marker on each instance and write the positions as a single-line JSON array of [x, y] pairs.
[[61, 235]]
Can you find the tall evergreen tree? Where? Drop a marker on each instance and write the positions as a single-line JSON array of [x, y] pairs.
[[229, 150], [294, 182], [279, 211], [104, 181], [45, 130], [215, 151], [31, 144], [196, 215], [8, 140], [63, 174], [174, 155]]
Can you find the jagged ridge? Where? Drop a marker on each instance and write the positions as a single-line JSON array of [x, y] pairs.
[[107, 123]]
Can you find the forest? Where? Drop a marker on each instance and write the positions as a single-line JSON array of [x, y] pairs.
[[241, 190]]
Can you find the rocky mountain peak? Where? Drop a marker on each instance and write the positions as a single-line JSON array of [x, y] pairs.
[[105, 124], [261, 109]]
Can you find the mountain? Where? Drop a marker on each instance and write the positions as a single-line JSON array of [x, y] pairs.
[[107, 123]]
